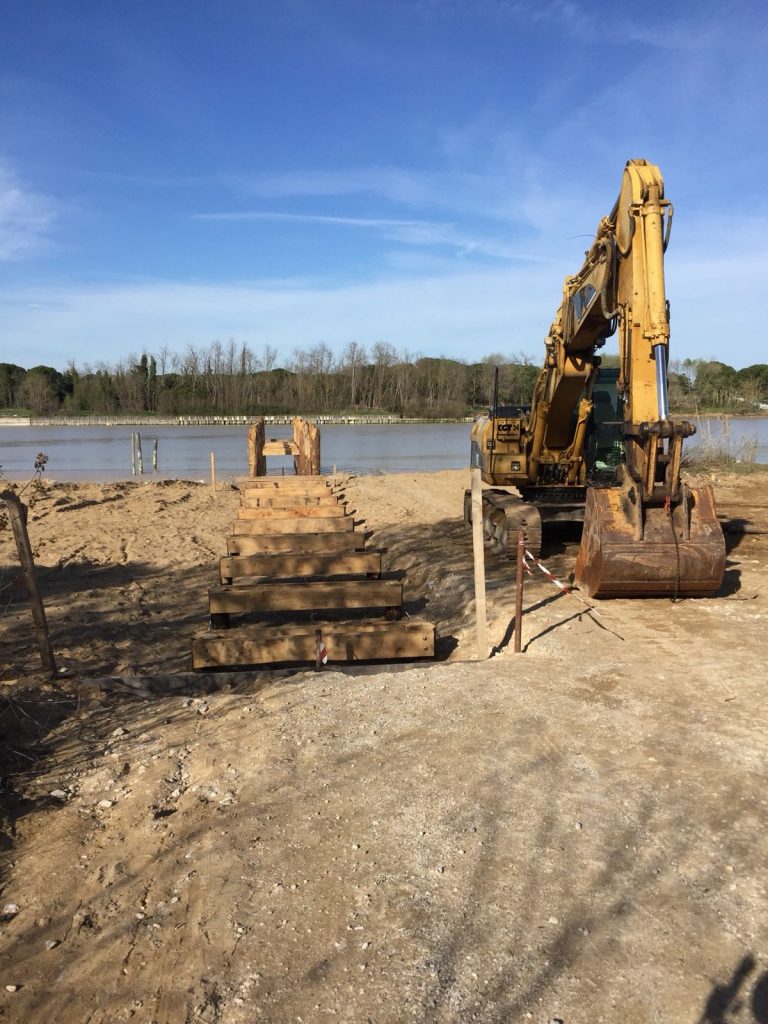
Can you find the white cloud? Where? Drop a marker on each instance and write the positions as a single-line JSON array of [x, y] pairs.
[[25, 218], [715, 304], [461, 314], [411, 232]]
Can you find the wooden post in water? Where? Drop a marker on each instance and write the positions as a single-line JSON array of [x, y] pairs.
[[154, 455], [519, 591], [257, 463], [313, 445], [213, 474], [306, 437], [17, 515], [298, 459], [133, 453], [139, 458], [478, 554]]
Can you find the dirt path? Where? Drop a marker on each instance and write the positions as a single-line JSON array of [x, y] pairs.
[[574, 834]]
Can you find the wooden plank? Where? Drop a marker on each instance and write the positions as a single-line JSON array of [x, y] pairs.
[[310, 484], [300, 596], [344, 642], [242, 544], [362, 563], [273, 447], [289, 500], [292, 512], [340, 525]]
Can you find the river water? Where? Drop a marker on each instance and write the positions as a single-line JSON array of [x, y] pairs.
[[104, 453]]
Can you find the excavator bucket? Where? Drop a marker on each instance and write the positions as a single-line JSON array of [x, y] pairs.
[[628, 551]]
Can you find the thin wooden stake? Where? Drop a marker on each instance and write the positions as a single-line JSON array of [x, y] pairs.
[[478, 553], [133, 453], [519, 591], [139, 458], [213, 474], [17, 515], [154, 455]]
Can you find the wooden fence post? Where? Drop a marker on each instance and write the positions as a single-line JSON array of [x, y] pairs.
[[17, 515], [519, 591], [478, 552]]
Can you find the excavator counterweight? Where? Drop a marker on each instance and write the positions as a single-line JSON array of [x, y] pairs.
[[598, 444]]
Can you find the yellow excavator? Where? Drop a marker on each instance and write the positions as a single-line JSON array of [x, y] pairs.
[[598, 444]]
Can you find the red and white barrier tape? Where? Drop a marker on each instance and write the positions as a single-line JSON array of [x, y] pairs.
[[553, 579]]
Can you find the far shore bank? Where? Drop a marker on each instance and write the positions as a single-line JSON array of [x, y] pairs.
[[221, 421], [285, 419]]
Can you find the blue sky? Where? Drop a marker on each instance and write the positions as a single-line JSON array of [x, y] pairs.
[[423, 172]]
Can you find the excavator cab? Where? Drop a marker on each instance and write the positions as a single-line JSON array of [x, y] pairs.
[[604, 451]]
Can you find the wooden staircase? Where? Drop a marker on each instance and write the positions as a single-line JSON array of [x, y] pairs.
[[294, 554]]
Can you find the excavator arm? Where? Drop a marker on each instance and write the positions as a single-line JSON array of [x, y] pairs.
[[644, 531], [651, 534]]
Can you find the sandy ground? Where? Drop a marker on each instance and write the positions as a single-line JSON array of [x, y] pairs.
[[576, 833]]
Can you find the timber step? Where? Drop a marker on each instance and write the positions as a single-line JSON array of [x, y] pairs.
[[294, 550], [335, 511], [300, 595], [292, 564], [302, 484], [279, 500], [344, 642], [336, 524], [274, 543]]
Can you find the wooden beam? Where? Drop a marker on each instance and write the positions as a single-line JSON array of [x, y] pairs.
[[301, 596], [302, 484], [344, 642], [364, 563], [339, 525], [257, 544], [293, 512], [273, 447], [289, 500]]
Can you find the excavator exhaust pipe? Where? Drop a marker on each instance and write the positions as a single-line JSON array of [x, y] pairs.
[[650, 551]]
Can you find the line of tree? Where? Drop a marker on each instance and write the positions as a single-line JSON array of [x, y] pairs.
[[231, 379]]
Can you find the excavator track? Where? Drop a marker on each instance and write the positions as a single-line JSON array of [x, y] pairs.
[[504, 514]]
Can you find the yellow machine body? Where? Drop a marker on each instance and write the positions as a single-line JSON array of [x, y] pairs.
[[645, 532]]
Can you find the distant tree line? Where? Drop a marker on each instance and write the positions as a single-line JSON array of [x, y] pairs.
[[230, 379]]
